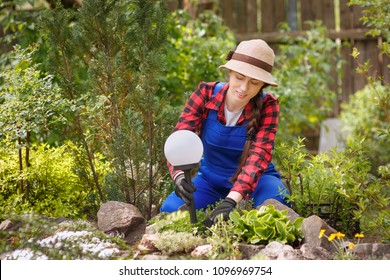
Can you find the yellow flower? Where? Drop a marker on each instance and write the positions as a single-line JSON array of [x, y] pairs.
[[340, 235], [322, 232], [332, 236], [351, 245], [359, 235]]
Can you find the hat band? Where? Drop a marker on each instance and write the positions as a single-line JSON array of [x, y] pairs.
[[250, 60]]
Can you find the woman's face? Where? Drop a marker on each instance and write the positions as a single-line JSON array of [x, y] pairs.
[[241, 89]]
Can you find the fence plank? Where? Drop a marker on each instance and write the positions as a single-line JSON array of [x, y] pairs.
[[251, 16], [227, 8], [273, 13], [350, 16], [321, 10], [241, 15], [358, 79]]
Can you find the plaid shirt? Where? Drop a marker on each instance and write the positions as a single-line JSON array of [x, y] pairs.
[[260, 153]]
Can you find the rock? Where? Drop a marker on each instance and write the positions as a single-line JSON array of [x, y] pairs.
[[154, 257], [310, 252], [9, 225], [291, 214], [147, 243], [311, 228], [202, 251], [272, 250], [151, 229], [134, 234], [371, 251], [249, 250], [289, 253], [123, 218]]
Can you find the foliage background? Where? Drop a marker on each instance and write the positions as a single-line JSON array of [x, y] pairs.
[[117, 74]]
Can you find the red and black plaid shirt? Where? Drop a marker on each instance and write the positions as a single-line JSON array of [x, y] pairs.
[[260, 154]]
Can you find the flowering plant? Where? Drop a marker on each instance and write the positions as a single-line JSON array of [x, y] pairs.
[[342, 247]]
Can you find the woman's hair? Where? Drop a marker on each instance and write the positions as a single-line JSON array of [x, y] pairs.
[[251, 130]]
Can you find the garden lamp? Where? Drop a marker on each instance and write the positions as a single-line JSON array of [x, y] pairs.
[[184, 149]]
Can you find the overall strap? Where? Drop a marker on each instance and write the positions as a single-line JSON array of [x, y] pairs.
[[217, 88]]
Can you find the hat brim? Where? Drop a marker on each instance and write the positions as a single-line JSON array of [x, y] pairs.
[[250, 71]]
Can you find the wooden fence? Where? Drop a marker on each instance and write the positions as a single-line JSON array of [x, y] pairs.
[[261, 19]]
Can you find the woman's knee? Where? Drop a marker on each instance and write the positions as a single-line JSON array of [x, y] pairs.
[[270, 187]]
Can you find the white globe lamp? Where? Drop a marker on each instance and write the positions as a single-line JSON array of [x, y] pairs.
[[184, 149]]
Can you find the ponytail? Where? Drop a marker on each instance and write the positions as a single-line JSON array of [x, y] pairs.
[[251, 130]]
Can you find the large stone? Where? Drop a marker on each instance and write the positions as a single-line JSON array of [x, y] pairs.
[[115, 216], [311, 228]]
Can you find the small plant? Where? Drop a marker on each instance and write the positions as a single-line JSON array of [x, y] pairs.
[[342, 247], [179, 221], [172, 243], [35, 237], [225, 244], [265, 225]]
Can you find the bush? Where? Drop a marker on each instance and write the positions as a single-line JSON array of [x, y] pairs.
[[367, 115], [337, 186], [303, 69], [195, 49], [55, 189]]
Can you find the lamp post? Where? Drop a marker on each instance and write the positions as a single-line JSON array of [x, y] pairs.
[[184, 149]]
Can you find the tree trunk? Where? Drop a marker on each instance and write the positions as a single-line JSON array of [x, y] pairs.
[[20, 165], [28, 137], [150, 166]]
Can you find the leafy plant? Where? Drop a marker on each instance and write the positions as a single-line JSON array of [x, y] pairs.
[[30, 104], [179, 221], [195, 49], [224, 243], [339, 180], [303, 69], [172, 243], [55, 188], [265, 225], [367, 115]]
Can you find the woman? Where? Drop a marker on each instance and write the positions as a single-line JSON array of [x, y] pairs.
[[237, 125]]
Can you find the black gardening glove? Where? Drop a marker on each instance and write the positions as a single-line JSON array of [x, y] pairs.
[[224, 209], [183, 189]]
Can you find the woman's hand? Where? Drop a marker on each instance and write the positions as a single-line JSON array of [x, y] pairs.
[[183, 189], [224, 209]]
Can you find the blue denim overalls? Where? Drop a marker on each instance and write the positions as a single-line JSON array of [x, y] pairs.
[[223, 146]]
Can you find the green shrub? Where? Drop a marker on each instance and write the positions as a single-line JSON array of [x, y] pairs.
[[195, 49], [340, 180], [367, 116], [55, 189], [303, 70]]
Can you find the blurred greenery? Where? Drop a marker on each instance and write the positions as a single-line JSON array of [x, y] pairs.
[[89, 95]]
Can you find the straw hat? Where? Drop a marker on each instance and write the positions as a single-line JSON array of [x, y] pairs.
[[253, 58]]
